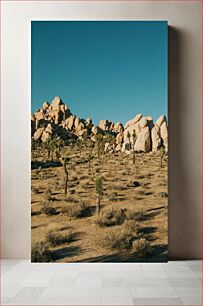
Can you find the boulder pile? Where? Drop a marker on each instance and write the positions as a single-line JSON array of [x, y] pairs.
[[56, 120]]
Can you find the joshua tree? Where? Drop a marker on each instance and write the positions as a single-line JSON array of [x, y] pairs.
[[80, 145], [64, 163], [90, 146], [162, 153], [99, 191], [58, 145], [111, 139], [128, 136], [134, 140], [99, 145]]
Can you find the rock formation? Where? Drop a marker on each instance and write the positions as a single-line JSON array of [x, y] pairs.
[[56, 120]]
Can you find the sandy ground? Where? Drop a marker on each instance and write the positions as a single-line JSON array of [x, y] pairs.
[[118, 173]]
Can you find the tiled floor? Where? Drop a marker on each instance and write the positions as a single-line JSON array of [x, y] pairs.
[[174, 283]]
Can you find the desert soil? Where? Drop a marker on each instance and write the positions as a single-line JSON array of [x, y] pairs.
[[118, 172]]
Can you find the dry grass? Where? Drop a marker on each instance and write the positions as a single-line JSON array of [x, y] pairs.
[[113, 232], [110, 217], [40, 252], [55, 238], [74, 211]]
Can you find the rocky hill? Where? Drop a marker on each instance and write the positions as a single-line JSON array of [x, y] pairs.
[[56, 120]]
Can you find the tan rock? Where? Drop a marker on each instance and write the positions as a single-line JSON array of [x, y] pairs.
[[83, 133], [130, 129], [133, 121], [39, 115], [119, 138], [45, 136], [70, 122], [118, 127], [161, 120], [142, 123], [56, 102], [164, 135], [107, 147], [94, 138], [143, 142], [155, 136], [45, 106], [105, 125], [95, 130], [88, 122], [38, 133], [118, 148], [77, 122], [49, 129], [79, 127]]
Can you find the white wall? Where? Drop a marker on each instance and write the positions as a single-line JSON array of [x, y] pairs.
[[184, 112]]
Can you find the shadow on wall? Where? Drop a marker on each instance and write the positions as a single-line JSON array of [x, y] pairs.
[[184, 231]]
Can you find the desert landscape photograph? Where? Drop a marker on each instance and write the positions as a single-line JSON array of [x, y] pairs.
[[99, 141]]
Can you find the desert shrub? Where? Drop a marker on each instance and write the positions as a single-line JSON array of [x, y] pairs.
[[55, 238], [163, 194], [40, 252], [70, 184], [114, 179], [131, 227], [110, 218], [133, 184], [48, 210], [116, 240], [35, 190], [72, 191], [142, 247], [135, 215], [83, 177], [84, 184], [71, 199], [48, 194], [74, 178], [120, 187], [74, 211]]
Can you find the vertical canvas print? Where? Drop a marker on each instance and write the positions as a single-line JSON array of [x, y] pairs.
[[99, 141]]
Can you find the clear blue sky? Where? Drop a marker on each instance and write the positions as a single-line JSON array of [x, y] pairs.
[[103, 70]]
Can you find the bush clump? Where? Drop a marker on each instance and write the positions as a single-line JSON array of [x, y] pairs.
[[40, 252], [136, 215], [142, 247], [48, 210], [116, 240], [55, 238], [77, 210], [48, 194], [110, 218], [131, 227]]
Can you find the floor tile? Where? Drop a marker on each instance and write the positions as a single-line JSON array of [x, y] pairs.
[[61, 282], [185, 282], [9, 292], [177, 274], [117, 301], [116, 292], [192, 301], [112, 282], [74, 292], [30, 292], [22, 301], [158, 301], [155, 274], [69, 301], [189, 291], [154, 292], [147, 282]]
